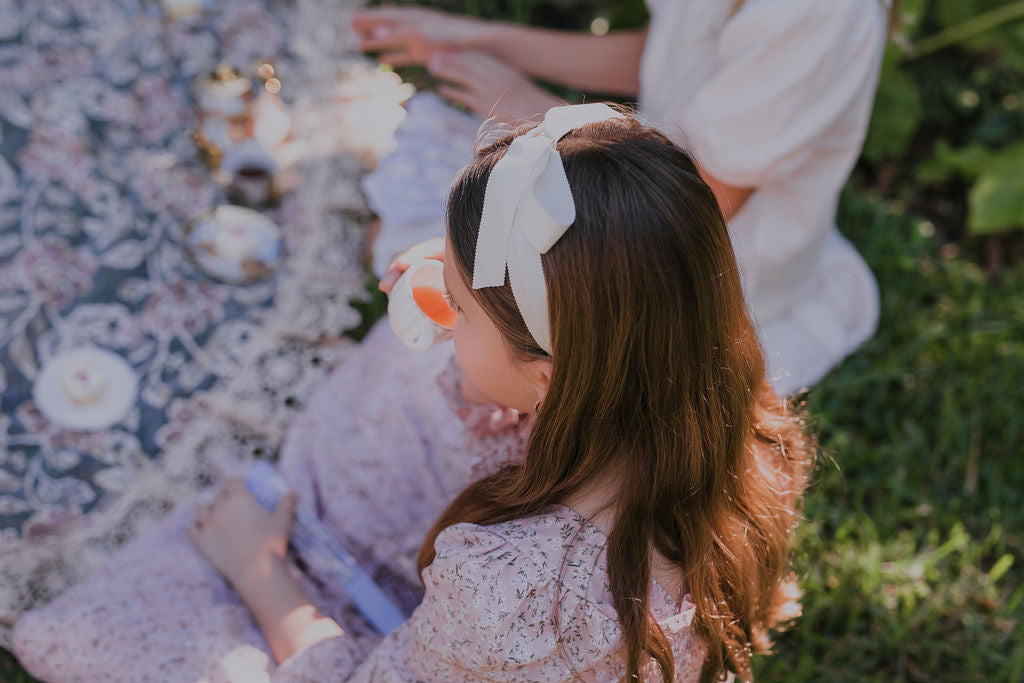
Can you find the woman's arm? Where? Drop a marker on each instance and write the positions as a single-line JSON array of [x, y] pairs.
[[607, 64], [410, 35], [730, 197]]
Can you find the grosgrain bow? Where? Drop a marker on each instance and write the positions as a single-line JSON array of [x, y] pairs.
[[528, 206]]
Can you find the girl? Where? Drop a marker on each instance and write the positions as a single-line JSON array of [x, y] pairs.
[[773, 97], [644, 534]]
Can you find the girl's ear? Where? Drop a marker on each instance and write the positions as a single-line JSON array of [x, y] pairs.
[[538, 372]]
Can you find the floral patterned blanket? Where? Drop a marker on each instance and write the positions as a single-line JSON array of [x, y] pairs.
[[98, 178]]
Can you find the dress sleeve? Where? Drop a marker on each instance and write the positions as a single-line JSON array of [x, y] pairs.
[[484, 614], [329, 660], [785, 74]]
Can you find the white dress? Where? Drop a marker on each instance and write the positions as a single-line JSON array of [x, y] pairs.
[[776, 96]]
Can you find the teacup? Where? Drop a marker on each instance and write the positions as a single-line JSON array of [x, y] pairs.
[[417, 310], [250, 171]]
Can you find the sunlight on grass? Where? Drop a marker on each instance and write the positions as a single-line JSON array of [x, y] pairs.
[[912, 553]]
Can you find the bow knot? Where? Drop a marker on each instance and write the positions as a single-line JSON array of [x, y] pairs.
[[528, 206]]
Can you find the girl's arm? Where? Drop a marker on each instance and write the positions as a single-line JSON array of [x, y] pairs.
[[246, 544], [288, 621]]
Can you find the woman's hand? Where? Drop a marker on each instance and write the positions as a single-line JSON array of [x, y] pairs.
[[489, 87], [432, 249], [238, 537], [410, 35]]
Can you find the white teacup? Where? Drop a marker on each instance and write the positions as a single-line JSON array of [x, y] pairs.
[[250, 173], [409, 319]]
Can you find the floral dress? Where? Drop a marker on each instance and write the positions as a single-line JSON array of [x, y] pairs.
[[381, 449]]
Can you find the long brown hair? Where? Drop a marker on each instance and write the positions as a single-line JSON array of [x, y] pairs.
[[657, 379]]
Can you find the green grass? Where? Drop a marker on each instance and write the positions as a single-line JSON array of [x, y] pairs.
[[912, 553], [10, 671]]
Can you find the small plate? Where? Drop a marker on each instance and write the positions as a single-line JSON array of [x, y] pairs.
[[234, 244], [112, 402]]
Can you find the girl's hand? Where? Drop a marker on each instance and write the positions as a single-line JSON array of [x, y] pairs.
[[247, 544], [432, 249], [490, 87], [238, 537], [410, 35]]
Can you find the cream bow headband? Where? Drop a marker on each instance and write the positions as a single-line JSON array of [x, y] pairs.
[[528, 206]]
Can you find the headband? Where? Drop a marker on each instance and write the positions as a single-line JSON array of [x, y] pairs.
[[528, 206]]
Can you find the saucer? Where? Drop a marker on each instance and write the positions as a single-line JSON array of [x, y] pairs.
[[114, 397], [234, 244]]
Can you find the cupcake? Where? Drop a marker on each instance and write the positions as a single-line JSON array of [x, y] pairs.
[[82, 381]]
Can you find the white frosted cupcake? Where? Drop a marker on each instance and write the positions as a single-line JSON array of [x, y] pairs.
[[85, 389], [82, 381]]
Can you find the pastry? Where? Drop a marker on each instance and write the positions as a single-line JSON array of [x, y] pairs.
[[82, 381]]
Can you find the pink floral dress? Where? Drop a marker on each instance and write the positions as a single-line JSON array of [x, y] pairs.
[[383, 446]]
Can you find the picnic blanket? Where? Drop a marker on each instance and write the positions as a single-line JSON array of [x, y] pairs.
[[98, 178]]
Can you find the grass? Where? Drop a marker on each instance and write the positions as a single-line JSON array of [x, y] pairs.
[[10, 671], [912, 553]]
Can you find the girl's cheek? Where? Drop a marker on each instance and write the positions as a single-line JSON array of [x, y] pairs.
[[466, 349], [458, 335], [472, 359], [462, 345]]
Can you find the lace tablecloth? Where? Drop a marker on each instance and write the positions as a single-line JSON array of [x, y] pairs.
[[97, 180]]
